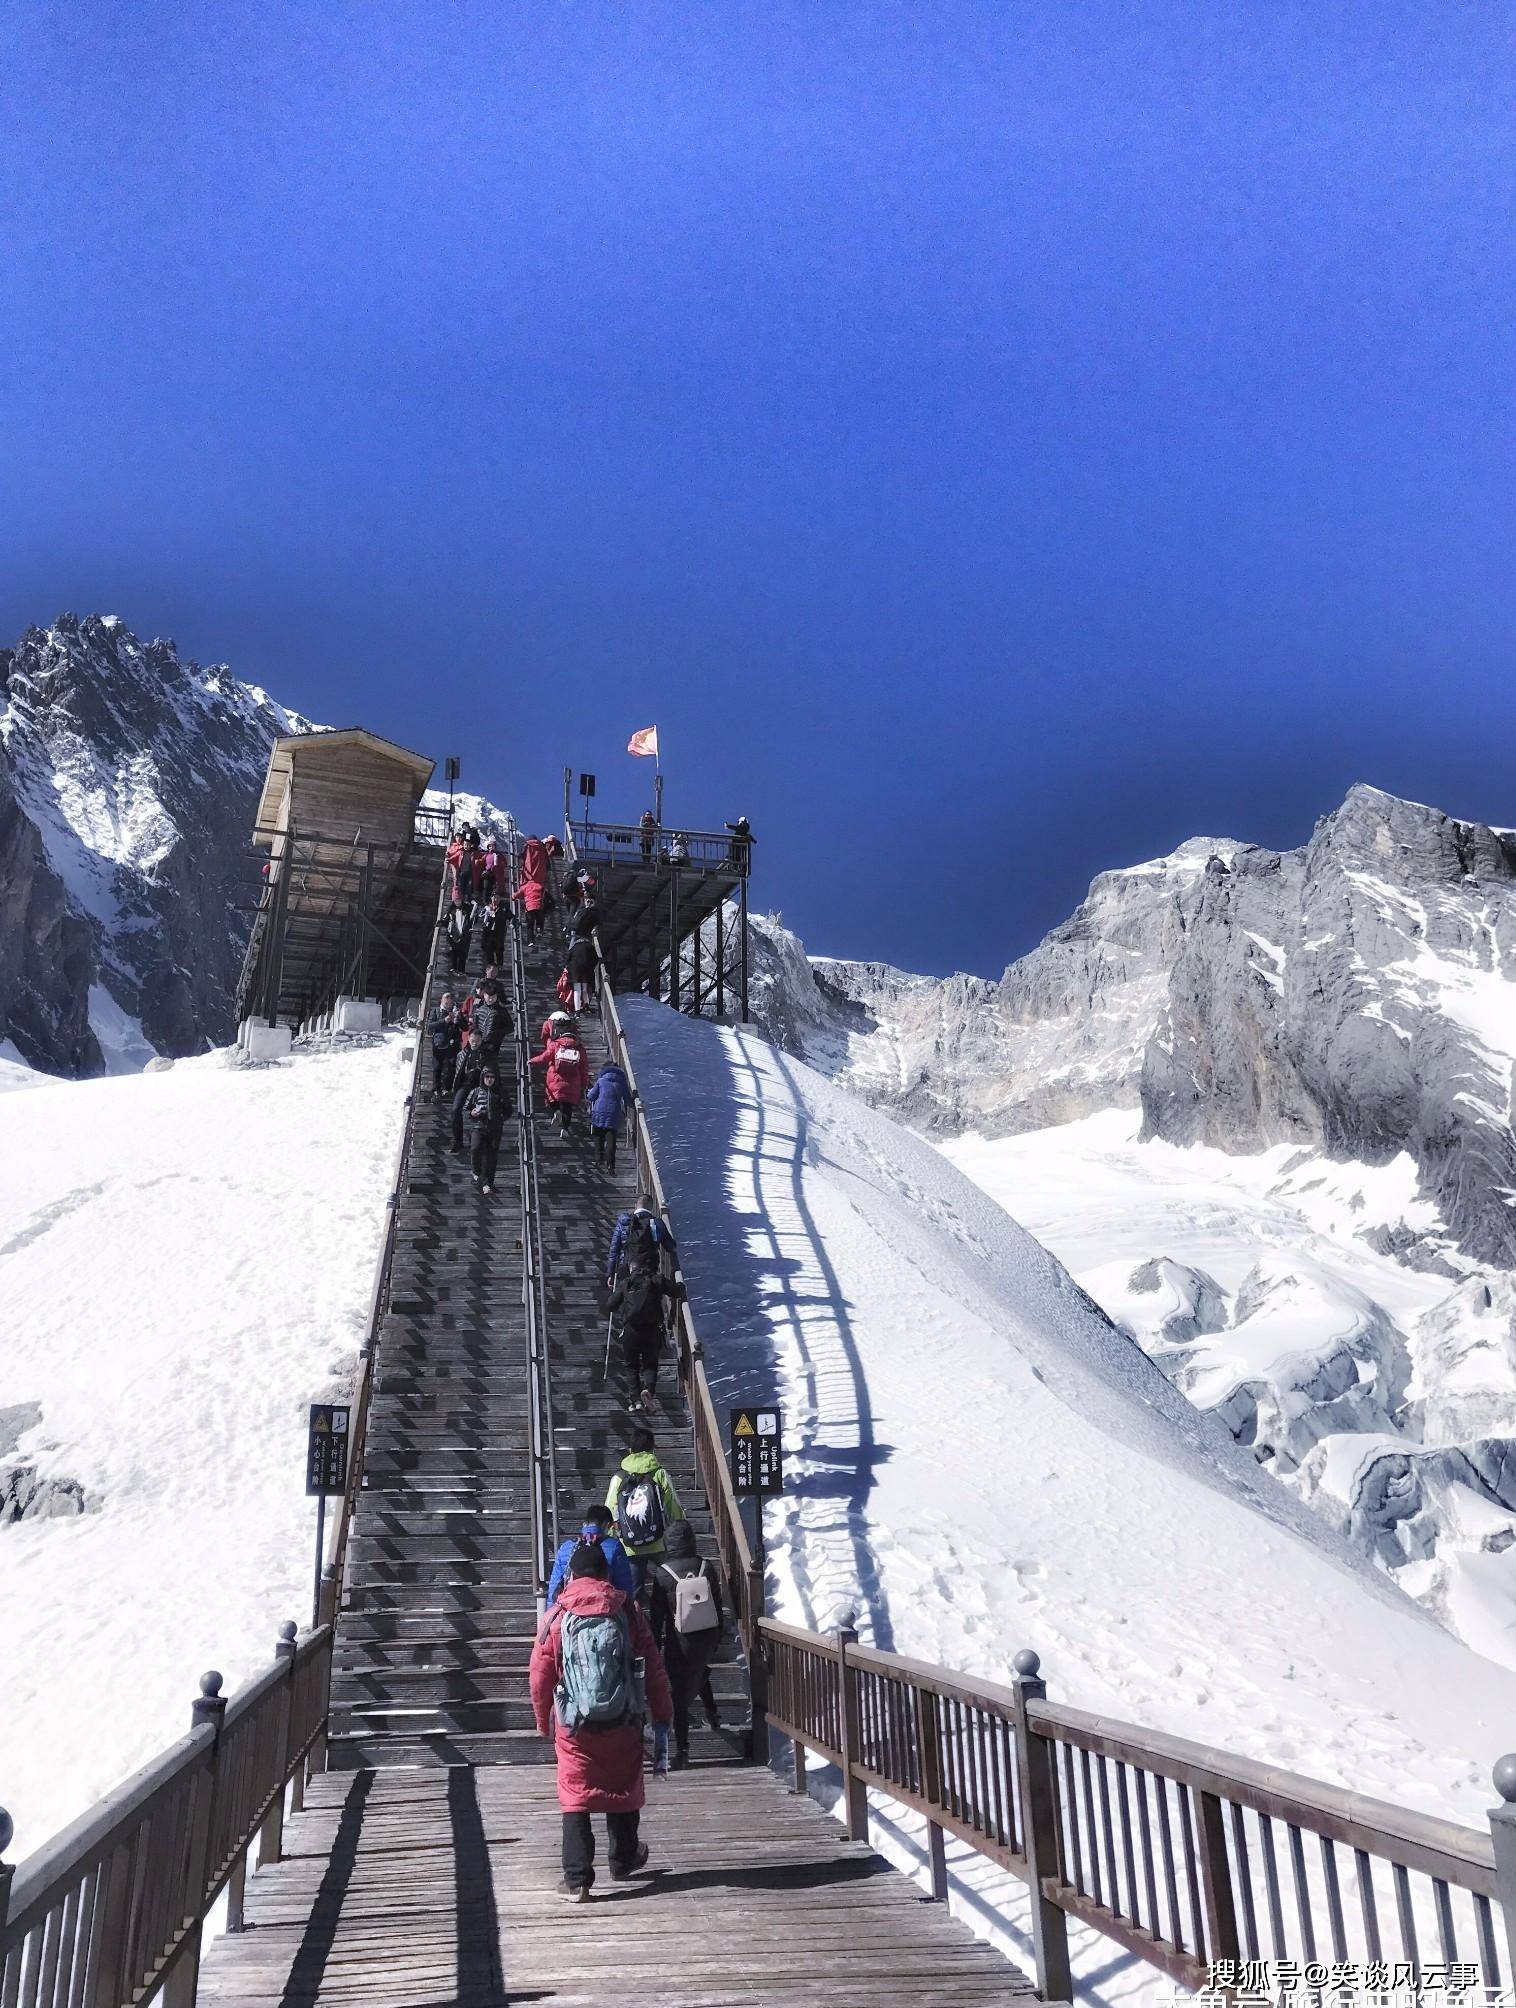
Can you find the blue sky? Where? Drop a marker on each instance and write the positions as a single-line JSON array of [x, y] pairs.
[[993, 443]]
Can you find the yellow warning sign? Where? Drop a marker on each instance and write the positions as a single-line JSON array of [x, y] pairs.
[[323, 1424], [743, 1426]]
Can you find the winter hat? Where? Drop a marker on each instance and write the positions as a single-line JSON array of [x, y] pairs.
[[589, 1560], [679, 1540]]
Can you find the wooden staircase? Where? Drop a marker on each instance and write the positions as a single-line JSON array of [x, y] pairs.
[[440, 1594]]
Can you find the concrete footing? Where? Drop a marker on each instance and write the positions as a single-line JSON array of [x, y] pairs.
[[264, 1042]]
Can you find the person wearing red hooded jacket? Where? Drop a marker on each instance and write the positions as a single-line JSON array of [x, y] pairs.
[[532, 886], [600, 1768], [568, 1070]]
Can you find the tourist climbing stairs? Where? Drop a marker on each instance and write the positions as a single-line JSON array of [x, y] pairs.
[[592, 1417]]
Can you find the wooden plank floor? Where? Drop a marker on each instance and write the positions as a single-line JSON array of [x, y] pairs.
[[415, 1888]]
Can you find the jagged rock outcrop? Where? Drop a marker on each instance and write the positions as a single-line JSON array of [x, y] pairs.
[[1357, 996], [128, 781], [24, 1494]]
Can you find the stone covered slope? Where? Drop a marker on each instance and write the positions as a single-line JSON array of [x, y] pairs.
[[1354, 996]]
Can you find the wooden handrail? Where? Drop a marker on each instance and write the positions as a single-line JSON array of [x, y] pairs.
[[1105, 1819], [119, 1899], [336, 1554], [739, 1566]]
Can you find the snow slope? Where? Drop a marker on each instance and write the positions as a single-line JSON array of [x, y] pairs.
[[185, 1261], [981, 1461], [1384, 1394]]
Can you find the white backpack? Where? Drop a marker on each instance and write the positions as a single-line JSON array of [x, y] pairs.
[[694, 1603]]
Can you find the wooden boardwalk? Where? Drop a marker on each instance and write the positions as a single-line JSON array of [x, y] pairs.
[[436, 1888]]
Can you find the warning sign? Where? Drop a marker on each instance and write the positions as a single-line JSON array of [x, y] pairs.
[[326, 1450], [757, 1452]]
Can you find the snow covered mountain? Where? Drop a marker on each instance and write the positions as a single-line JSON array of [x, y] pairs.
[[127, 788], [1260, 1105], [129, 779], [1356, 996]]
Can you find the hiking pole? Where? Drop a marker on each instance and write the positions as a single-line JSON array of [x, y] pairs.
[[609, 1325]]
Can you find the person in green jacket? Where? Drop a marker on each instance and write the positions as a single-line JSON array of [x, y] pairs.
[[645, 1504]]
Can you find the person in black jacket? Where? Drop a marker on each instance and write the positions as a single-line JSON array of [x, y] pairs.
[[446, 1036], [488, 1015], [740, 850], [581, 971], [459, 925], [486, 1112], [643, 1300], [466, 1077], [686, 1654], [492, 929]]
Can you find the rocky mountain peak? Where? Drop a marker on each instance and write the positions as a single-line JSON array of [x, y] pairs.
[[124, 766], [1356, 995]]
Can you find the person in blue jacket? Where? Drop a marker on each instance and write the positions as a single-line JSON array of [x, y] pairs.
[[598, 1522], [610, 1098], [640, 1238]]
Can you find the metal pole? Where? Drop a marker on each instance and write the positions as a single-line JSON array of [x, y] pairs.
[[720, 959], [674, 936], [320, 1545], [742, 923], [658, 799], [365, 896], [695, 968]]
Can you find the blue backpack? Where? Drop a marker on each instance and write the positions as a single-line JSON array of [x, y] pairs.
[[598, 1685]]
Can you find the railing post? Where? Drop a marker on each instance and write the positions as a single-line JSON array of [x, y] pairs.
[[757, 1666], [328, 1616], [856, 1791], [929, 1743], [1039, 1835], [184, 1981], [1222, 1941], [1502, 1832], [271, 1833], [7, 1869]]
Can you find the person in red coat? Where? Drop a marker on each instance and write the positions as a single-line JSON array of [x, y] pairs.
[[568, 1070], [599, 1770], [532, 886]]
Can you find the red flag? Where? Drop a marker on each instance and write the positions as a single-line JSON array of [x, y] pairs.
[[644, 742]]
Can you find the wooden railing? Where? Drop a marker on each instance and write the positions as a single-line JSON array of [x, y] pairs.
[[541, 1431], [113, 1909], [330, 1596], [1221, 1872]]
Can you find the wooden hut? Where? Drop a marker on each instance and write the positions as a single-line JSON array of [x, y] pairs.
[[350, 887]]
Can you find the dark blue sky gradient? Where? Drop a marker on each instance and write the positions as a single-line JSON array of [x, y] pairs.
[[993, 443]]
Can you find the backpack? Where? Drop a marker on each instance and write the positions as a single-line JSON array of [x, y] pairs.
[[639, 1511], [569, 1059], [642, 1305], [693, 1604], [598, 1685], [639, 1250]]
